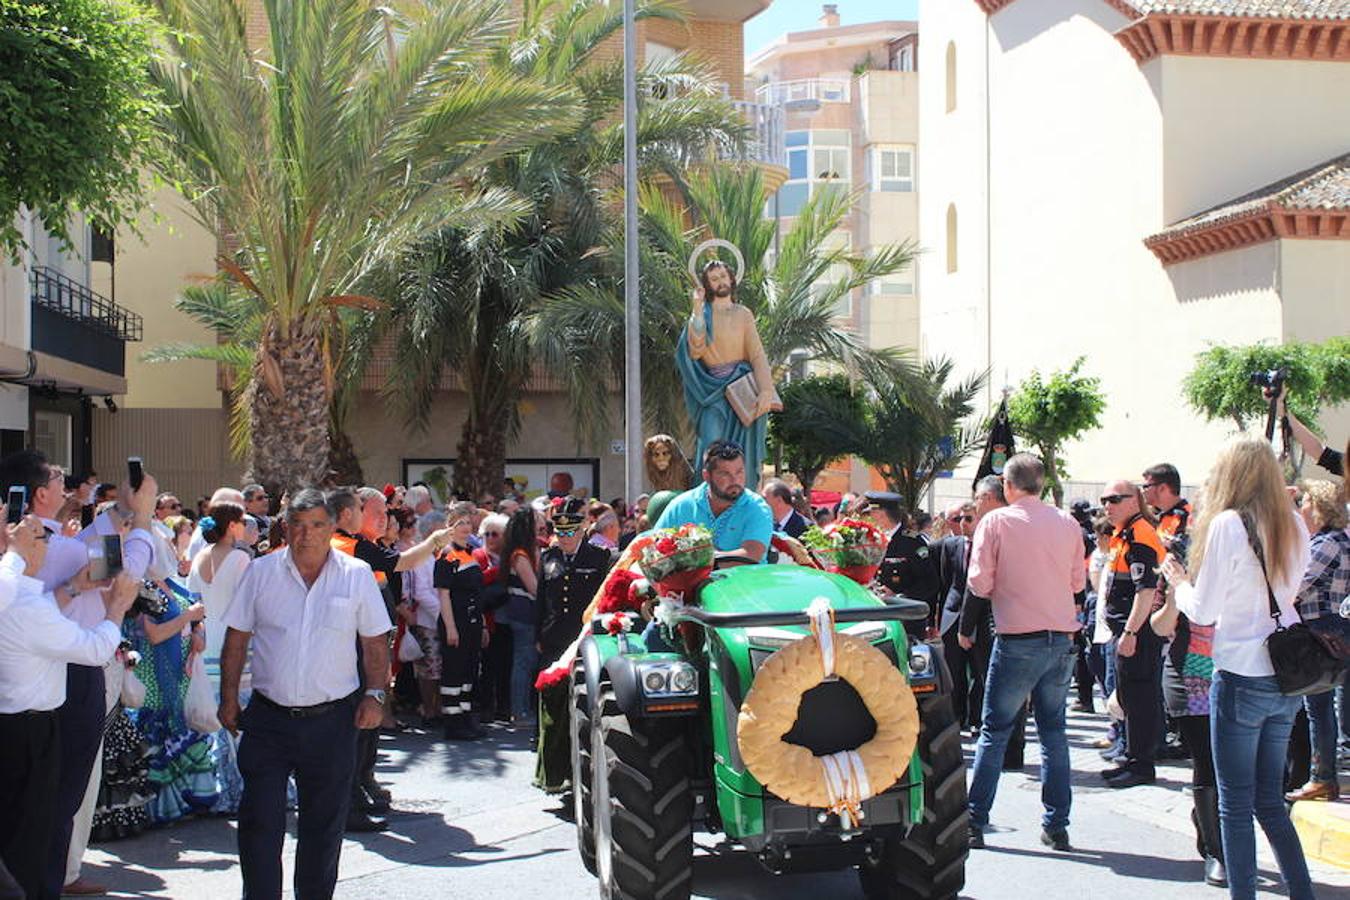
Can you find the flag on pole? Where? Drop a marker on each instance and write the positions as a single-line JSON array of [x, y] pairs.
[[999, 446]]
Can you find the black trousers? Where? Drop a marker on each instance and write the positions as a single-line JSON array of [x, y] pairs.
[[82, 717], [1139, 688], [459, 664], [320, 751], [366, 742], [494, 686], [967, 686], [30, 767]]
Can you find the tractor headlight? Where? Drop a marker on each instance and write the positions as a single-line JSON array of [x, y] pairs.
[[668, 678], [920, 662], [684, 680], [654, 681]]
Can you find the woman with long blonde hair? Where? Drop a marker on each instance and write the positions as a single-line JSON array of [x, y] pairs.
[[1247, 535]]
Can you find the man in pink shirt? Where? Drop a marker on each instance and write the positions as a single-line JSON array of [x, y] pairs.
[[1027, 561]]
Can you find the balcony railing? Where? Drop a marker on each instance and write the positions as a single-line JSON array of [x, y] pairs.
[[767, 141], [74, 301], [805, 91]]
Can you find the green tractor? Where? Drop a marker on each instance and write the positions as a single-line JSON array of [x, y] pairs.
[[655, 753]]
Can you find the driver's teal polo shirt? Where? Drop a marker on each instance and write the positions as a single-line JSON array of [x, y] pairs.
[[748, 519]]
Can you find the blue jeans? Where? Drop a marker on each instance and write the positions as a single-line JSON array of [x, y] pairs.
[[524, 661], [1041, 668], [1322, 735], [1250, 721]]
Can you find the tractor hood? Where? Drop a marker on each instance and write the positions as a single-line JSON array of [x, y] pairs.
[[780, 589]]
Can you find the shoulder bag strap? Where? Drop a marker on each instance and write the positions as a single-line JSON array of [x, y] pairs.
[[1261, 558]]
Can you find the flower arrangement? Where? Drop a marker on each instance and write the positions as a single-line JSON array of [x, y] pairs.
[[676, 559], [851, 547]]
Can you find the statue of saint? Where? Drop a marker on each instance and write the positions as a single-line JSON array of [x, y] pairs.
[[667, 469], [719, 346]]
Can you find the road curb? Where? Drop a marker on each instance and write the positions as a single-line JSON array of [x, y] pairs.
[[1324, 830]]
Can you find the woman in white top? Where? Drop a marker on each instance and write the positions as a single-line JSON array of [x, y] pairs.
[[422, 613], [1245, 504], [216, 571]]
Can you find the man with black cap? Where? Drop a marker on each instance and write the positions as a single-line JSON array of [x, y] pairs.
[[572, 570], [909, 567]]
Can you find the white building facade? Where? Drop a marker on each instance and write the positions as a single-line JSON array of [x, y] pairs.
[[1132, 182]]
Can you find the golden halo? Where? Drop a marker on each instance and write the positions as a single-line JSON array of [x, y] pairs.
[[708, 245], [770, 709]]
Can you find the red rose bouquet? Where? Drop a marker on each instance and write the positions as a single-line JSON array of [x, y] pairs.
[[677, 559], [851, 547]]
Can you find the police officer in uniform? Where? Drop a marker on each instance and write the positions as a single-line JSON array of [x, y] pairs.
[[909, 566], [458, 580], [572, 570], [1133, 558], [361, 517]]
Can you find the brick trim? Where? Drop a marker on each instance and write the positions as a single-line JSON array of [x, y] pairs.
[[1221, 36], [1268, 223]]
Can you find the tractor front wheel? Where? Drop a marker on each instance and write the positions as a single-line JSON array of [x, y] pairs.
[[929, 863], [583, 809], [644, 804]]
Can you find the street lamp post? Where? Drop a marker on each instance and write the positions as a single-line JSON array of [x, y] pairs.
[[631, 320]]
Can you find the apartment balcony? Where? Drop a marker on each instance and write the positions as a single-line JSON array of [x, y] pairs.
[[767, 143], [805, 94], [726, 10], [74, 324]]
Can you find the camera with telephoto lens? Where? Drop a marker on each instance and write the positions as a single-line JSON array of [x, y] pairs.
[[1271, 380]]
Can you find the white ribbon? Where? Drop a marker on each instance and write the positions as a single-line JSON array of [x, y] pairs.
[[846, 785], [822, 626]]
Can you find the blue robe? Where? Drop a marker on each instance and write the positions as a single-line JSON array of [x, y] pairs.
[[711, 414]]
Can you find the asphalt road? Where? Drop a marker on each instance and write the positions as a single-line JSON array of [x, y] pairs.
[[468, 824]]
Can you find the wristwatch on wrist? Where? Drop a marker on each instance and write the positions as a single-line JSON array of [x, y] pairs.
[[1128, 633], [376, 695]]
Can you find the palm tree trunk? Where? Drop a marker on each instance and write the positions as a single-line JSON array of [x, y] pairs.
[[289, 413], [343, 461], [480, 461]]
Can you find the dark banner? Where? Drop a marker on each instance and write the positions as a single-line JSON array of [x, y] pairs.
[[999, 446]]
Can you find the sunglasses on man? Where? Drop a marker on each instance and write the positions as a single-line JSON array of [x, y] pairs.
[[1111, 499], [566, 532], [955, 520]]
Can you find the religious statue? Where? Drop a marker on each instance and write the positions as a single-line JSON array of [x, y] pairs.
[[667, 469], [717, 350]]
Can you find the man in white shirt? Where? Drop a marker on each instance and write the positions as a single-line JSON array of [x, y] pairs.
[[303, 608], [36, 644]]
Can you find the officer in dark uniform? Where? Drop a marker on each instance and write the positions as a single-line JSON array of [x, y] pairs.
[[909, 566], [571, 572]]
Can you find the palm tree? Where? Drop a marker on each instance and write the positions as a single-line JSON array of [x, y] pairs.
[[237, 320], [911, 437], [352, 131], [463, 299], [793, 295]]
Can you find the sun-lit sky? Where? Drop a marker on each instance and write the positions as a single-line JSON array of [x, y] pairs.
[[803, 15]]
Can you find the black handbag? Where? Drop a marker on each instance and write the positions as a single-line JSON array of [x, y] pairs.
[[1308, 656]]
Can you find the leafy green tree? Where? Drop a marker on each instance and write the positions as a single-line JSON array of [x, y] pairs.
[[915, 429], [819, 423], [1048, 413], [464, 298], [794, 296], [1220, 385], [77, 113], [353, 131]]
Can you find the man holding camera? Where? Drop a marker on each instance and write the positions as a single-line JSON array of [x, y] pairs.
[[65, 573], [37, 647]]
